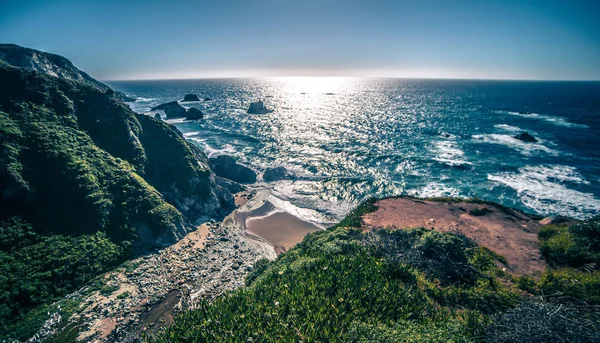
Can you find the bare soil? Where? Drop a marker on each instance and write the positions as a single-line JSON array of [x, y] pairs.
[[507, 232]]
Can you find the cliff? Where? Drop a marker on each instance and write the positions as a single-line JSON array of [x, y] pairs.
[[85, 182]]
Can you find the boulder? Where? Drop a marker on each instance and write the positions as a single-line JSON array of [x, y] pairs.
[[276, 174], [191, 97], [525, 137], [157, 116], [227, 167], [194, 114], [231, 186], [172, 109], [258, 108], [207, 99]]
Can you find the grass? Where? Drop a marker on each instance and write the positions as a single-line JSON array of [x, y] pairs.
[[345, 285]]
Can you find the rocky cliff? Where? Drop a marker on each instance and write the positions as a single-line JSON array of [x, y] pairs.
[[80, 173]]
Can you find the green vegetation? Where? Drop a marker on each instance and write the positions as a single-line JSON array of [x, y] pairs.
[[573, 246], [345, 285], [86, 184], [412, 285]]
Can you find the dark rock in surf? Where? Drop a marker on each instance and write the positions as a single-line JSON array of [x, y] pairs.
[[258, 108], [172, 109], [194, 114], [190, 97], [227, 167], [207, 99], [276, 174], [526, 137]]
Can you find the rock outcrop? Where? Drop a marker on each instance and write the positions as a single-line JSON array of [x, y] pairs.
[[207, 99], [227, 167], [258, 107], [526, 137], [172, 110], [190, 97], [157, 116], [276, 174], [83, 175], [194, 114]]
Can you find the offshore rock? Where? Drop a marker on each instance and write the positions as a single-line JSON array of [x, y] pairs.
[[258, 108], [172, 109], [194, 114], [276, 174], [190, 97], [526, 137]]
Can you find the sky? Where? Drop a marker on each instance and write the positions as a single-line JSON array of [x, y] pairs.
[[484, 39]]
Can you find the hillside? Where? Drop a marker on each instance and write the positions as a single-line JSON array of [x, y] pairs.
[[86, 183], [357, 283]]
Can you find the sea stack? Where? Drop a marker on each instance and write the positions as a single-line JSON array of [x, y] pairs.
[[172, 109], [258, 107], [190, 97]]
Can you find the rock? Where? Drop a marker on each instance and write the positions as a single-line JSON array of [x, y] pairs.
[[124, 97], [157, 116], [232, 186], [526, 137], [276, 174], [190, 97], [258, 108], [227, 167], [194, 114], [207, 99], [172, 109]]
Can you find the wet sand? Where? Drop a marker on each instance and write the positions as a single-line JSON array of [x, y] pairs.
[[509, 233], [281, 229]]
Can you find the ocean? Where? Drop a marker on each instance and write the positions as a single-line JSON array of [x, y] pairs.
[[347, 139]]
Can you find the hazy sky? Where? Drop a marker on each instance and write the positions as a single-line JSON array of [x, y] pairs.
[[112, 40]]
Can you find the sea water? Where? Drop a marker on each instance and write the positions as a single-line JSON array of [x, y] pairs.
[[347, 139]]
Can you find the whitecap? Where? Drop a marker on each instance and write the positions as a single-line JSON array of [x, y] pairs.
[[525, 148], [544, 189], [435, 189], [507, 127], [448, 152], [556, 120]]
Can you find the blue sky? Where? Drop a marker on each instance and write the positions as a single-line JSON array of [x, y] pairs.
[[501, 39]]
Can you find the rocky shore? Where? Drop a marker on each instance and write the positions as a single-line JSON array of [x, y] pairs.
[[144, 294]]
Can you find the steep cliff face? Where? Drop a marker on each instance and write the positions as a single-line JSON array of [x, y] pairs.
[[75, 163]]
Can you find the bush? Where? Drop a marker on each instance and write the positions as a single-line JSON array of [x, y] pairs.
[[573, 246], [570, 282]]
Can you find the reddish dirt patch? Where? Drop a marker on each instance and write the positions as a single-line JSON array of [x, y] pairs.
[[509, 233]]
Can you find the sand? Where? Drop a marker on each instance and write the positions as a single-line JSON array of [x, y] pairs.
[[281, 229], [509, 233]]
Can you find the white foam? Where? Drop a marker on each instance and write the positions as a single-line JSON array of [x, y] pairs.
[[435, 189], [544, 189], [509, 128], [448, 153], [550, 119], [140, 99], [526, 148]]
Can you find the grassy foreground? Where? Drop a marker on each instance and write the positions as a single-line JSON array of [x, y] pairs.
[[414, 285]]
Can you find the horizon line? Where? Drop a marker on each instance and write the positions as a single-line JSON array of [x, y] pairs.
[[349, 77]]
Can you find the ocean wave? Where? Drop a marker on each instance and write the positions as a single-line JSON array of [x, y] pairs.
[[544, 189], [509, 128], [525, 148], [447, 152], [435, 189], [556, 120], [140, 99]]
